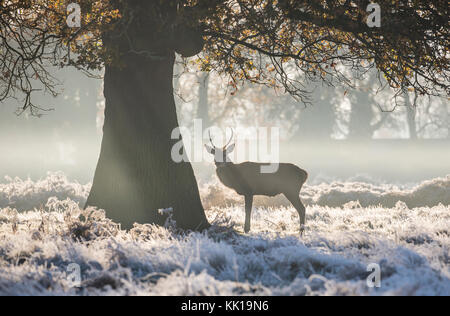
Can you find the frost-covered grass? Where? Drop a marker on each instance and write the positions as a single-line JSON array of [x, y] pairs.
[[337, 194], [24, 195], [37, 247]]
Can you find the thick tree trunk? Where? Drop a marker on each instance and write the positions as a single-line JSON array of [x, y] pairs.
[[136, 175]]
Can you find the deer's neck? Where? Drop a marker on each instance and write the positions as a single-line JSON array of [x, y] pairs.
[[227, 163]]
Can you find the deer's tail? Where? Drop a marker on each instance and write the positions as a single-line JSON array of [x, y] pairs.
[[305, 176]]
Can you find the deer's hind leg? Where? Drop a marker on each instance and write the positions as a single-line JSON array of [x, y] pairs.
[[294, 198], [248, 212]]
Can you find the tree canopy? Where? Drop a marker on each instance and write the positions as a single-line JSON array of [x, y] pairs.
[[284, 43]]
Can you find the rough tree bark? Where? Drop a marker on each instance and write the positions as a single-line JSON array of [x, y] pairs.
[[136, 175]]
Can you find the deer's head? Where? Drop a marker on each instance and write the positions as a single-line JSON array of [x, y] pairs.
[[221, 154]]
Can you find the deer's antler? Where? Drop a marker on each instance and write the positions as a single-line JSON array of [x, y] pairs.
[[210, 139], [229, 142]]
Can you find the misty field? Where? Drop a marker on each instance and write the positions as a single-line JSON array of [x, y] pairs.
[[350, 225]]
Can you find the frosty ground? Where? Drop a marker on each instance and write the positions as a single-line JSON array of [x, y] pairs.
[[405, 230]]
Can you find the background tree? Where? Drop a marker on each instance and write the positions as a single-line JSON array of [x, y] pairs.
[[136, 41], [203, 100], [364, 121], [411, 112], [317, 122], [427, 117]]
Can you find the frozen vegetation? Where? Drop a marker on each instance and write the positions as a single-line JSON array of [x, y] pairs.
[[406, 231], [337, 194]]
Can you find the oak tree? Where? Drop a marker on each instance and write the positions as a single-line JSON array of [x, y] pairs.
[[283, 43]]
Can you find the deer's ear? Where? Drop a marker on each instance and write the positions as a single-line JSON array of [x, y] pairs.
[[211, 150], [231, 148]]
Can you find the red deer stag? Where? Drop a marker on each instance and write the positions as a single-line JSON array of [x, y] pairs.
[[248, 180]]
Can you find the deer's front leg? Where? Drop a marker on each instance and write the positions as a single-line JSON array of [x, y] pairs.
[[248, 212]]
